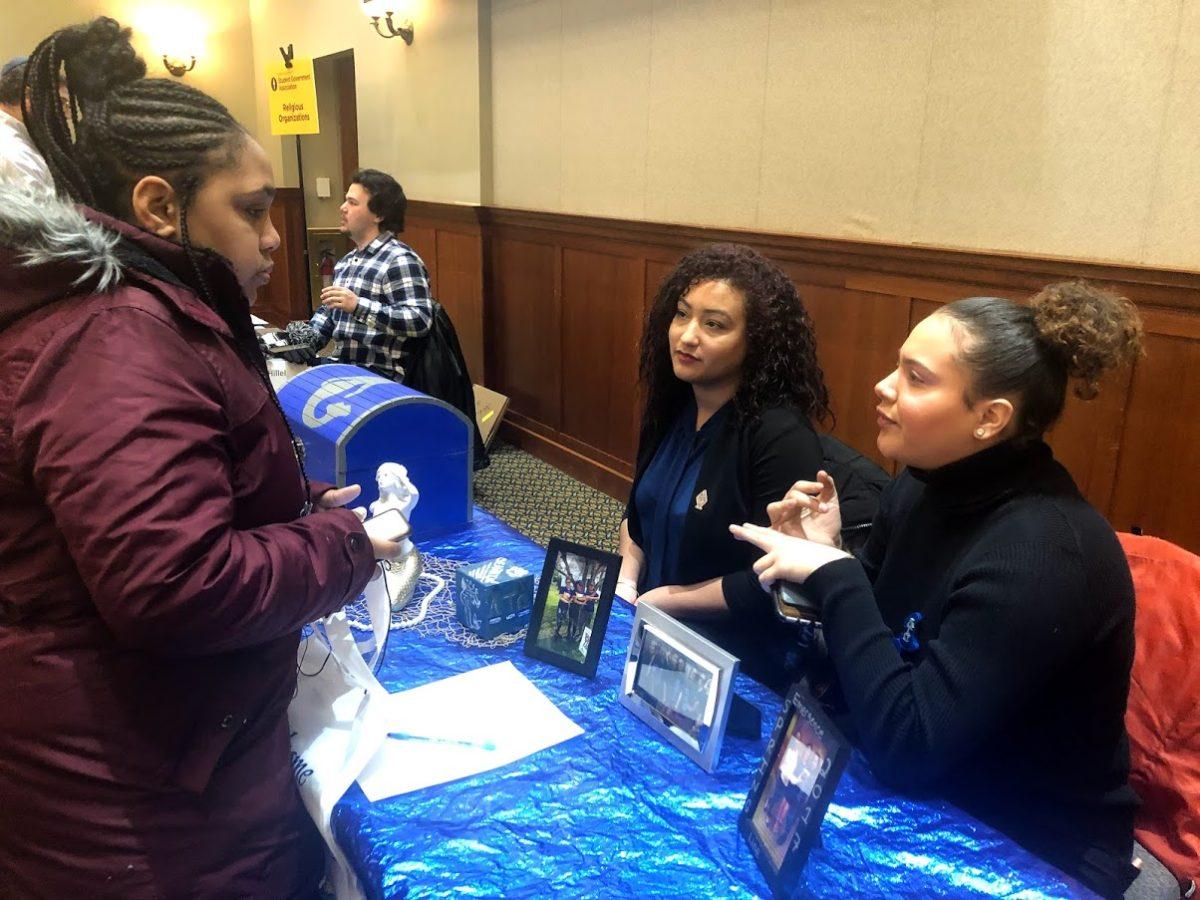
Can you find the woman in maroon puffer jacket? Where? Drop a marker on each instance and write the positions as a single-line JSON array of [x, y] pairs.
[[157, 558]]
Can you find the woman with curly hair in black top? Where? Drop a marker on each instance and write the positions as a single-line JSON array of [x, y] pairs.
[[732, 388], [982, 643]]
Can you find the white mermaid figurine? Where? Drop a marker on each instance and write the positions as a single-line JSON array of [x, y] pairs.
[[398, 493]]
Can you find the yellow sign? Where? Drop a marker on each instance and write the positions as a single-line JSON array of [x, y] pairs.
[[293, 94]]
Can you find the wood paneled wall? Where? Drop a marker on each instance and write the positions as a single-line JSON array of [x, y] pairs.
[[565, 298], [450, 241]]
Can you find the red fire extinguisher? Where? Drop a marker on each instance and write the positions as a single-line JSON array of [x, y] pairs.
[[326, 268]]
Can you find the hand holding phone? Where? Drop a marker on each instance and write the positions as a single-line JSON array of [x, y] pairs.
[[791, 605], [387, 528]]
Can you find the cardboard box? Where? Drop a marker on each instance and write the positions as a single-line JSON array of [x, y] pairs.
[[489, 410]]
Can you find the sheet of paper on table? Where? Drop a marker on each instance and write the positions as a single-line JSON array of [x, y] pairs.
[[461, 726], [256, 321]]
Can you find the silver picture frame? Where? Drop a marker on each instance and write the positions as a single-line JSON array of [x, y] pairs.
[[679, 683]]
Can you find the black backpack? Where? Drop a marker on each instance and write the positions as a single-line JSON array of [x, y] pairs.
[[860, 483], [434, 365]]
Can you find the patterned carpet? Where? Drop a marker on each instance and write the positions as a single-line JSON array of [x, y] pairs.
[[543, 503]]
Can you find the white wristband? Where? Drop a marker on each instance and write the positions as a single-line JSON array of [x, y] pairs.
[[627, 590]]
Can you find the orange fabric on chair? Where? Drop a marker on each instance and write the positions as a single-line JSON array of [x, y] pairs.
[[1163, 716]]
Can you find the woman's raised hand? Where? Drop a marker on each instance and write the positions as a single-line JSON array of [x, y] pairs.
[[809, 510], [785, 557]]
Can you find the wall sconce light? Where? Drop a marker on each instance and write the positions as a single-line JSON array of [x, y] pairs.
[[174, 32], [389, 19], [177, 67]]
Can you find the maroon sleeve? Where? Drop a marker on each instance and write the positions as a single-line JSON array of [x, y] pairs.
[[126, 435]]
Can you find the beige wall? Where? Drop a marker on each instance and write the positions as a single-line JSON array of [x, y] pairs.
[[418, 106], [1059, 127], [222, 28]]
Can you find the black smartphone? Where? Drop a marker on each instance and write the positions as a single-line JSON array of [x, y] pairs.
[[791, 605]]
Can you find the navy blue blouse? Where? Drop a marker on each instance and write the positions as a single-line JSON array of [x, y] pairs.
[[667, 491]]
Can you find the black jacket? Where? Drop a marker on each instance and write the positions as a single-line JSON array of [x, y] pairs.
[[1011, 702], [435, 365], [745, 468]]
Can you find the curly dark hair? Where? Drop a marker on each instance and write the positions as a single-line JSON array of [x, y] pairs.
[[780, 368], [1092, 329]]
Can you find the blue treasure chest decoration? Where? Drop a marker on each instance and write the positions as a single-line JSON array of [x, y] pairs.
[[351, 421], [493, 597]]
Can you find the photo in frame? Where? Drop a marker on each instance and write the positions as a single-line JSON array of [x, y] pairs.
[[572, 606], [679, 683], [795, 781]]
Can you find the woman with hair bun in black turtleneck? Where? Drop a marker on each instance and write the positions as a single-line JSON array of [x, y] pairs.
[[983, 642]]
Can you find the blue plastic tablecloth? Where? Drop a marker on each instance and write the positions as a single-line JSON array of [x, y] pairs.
[[617, 812]]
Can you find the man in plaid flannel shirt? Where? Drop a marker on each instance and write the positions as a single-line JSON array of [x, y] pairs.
[[380, 291]]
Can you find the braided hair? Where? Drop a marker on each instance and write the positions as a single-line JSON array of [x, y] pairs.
[[780, 368], [116, 127], [95, 58]]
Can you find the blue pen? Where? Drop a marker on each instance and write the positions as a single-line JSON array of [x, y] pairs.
[[402, 736]]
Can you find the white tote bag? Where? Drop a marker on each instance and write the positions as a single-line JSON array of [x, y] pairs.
[[338, 721]]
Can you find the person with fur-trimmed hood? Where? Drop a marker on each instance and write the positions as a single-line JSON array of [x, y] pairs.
[[158, 557]]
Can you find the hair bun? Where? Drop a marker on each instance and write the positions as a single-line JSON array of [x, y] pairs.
[[1092, 329], [98, 57]]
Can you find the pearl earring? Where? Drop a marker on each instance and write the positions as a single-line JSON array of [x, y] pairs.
[[979, 432]]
